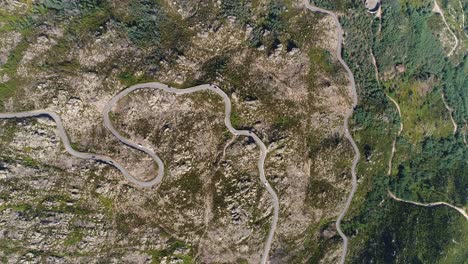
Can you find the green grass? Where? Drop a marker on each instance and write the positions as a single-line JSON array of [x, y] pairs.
[[9, 247], [190, 182], [129, 79], [108, 203], [15, 56], [320, 59], [57, 59], [242, 261], [416, 3], [320, 64], [158, 255], [313, 245], [285, 122], [73, 238], [7, 89], [89, 23], [8, 131], [423, 113], [127, 222], [21, 207], [30, 162], [236, 120], [14, 20]]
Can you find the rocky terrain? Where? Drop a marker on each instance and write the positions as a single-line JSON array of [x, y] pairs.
[[211, 206]]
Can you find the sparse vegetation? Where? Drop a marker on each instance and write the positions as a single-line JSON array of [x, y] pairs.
[[73, 238], [169, 253]]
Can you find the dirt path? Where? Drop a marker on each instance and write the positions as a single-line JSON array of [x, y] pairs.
[[450, 109], [439, 11], [392, 155], [460, 210], [464, 132], [390, 161]]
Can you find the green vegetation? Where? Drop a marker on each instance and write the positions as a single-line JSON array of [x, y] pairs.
[[316, 240], [37, 208], [9, 247], [30, 162], [229, 188], [338, 5], [285, 25], [14, 58], [315, 144], [412, 232], [73, 238], [433, 171], [417, 101], [108, 203], [235, 120], [149, 26], [320, 64], [129, 79], [285, 122], [272, 22], [7, 134], [429, 164], [241, 9], [126, 222], [19, 19], [429, 161], [158, 255], [190, 182], [212, 69], [8, 88], [162, 35], [320, 60]]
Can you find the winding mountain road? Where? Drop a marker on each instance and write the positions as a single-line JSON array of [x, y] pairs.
[[66, 142], [108, 124], [348, 135]]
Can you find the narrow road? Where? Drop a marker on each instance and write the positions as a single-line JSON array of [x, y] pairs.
[[464, 132], [399, 113], [66, 142], [390, 161], [348, 135], [438, 10], [159, 177], [450, 110], [460, 210]]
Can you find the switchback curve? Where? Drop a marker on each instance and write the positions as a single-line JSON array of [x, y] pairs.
[[108, 124]]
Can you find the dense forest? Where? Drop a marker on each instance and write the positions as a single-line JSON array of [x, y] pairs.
[[430, 160]]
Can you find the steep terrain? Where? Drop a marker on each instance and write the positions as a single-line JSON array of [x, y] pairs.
[[411, 49], [277, 63]]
